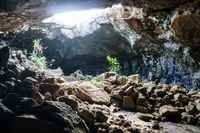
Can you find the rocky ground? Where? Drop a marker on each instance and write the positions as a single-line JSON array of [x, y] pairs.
[[40, 100]]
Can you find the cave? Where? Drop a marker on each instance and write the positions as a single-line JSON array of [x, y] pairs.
[[156, 47]]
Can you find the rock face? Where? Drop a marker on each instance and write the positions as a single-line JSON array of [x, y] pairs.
[[187, 28]]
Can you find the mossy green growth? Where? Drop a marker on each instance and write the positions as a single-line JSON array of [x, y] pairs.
[[37, 54], [114, 65]]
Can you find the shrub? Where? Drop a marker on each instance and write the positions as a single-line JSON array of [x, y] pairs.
[[37, 54], [114, 65]]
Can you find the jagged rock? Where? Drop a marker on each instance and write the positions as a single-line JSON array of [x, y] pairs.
[[190, 119], [3, 90], [150, 90], [25, 104], [145, 117], [90, 92], [54, 80], [189, 30], [5, 116], [47, 87], [38, 97], [61, 115], [117, 93], [190, 109], [168, 110], [128, 103], [178, 89], [11, 100], [104, 76], [136, 78], [160, 92], [141, 109], [100, 116], [141, 100], [165, 87], [121, 80], [86, 115], [23, 87], [112, 79], [26, 73], [181, 98], [70, 100], [4, 55], [141, 89]]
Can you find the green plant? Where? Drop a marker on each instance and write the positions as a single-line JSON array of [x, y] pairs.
[[37, 54], [174, 82], [187, 88], [25, 52], [114, 64]]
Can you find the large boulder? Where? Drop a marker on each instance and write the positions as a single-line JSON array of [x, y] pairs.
[[89, 92], [168, 110], [128, 103], [58, 114]]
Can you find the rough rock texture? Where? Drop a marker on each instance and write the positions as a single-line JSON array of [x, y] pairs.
[[187, 28], [89, 92]]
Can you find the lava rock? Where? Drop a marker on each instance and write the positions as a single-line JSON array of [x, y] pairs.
[[128, 103], [70, 100], [168, 110], [4, 55], [47, 87]]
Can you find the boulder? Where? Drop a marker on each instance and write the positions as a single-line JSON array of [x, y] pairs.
[[38, 97], [181, 98], [141, 100], [128, 103], [141, 109], [3, 90], [70, 100], [190, 109], [4, 55], [26, 73], [54, 80], [168, 110], [136, 78], [178, 89], [198, 107], [26, 104], [104, 76], [100, 116], [86, 115], [190, 119], [145, 117], [47, 87], [141, 89], [86, 90], [117, 93], [60, 115], [11, 100], [121, 80], [112, 79]]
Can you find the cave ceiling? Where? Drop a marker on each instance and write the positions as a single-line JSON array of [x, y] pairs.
[[14, 14]]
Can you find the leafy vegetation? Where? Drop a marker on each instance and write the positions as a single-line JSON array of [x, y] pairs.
[[114, 65]]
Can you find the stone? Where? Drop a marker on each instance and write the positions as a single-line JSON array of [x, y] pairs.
[[31, 79], [104, 76], [181, 98], [70, 100], [112, 79], [47, 87], [190, 109], [160, 92], [168, 110], [11, 100], [124, 87], [5, 116], [150, 90], [141, 89], [26, 73], [54, 80], [61, 115], [145, 117], [86, 115], [128, 103], [198, 107], [186, 27], [136, 78], [47, 96], [129, 90], [178, 89], [3, 90], [100, 116], [117, 93], [23, 87], [25, 104], [38, 97], [85, 90], [53, 73], [190, 119], [141, 109], [4, 55], [121, 80], [141, 100]]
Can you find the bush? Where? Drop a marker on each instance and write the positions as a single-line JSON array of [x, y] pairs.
[[37, 54], [114, 65]]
